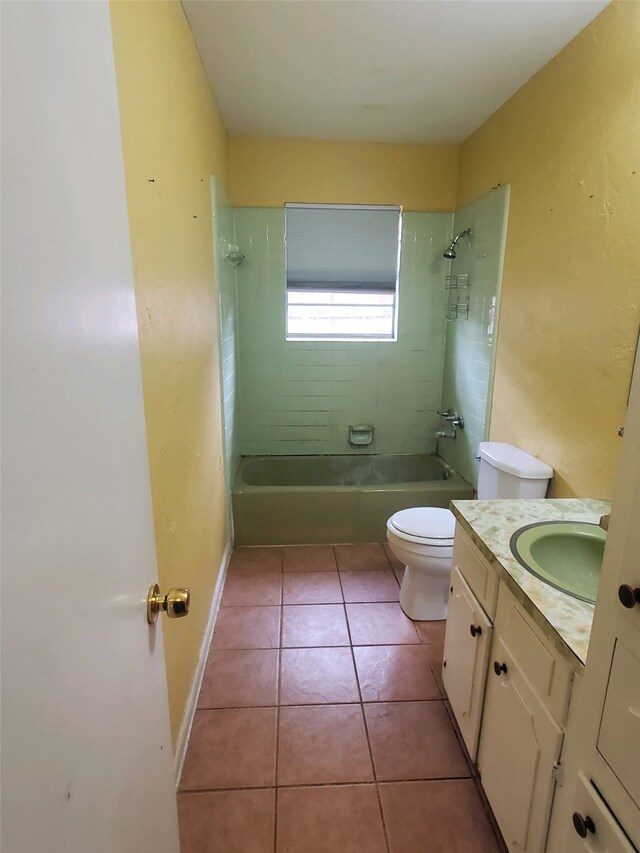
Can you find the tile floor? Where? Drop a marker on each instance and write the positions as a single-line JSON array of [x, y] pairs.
[[322, 724]]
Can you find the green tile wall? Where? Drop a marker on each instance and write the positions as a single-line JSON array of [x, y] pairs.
[[470, 343], [223, 233], [300, 397]]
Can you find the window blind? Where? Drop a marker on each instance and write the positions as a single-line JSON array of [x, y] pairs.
[[342, 247]]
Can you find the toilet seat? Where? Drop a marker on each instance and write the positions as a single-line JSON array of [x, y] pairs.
[[424, 525]]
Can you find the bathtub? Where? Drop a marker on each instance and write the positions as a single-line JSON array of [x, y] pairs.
[[297, 500]]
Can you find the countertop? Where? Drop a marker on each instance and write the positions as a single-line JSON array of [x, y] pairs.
[[490, 524]]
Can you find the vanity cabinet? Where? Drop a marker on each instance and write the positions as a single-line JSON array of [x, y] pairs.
[[510, 690], [472, 603], [526, 705]]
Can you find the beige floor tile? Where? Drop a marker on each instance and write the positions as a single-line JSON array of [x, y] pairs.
[[309, 558], [244, 678], [395, 674], [344, 819], [361, 557], [266, 559], [314, 625], [413, 740], [321, 744], [432, 637], [440, 816], [369, 586], [244, 589], [432, 633], [317, 676], [380, 624], [311, 588], [227, 821], [247, 628], [231, 749], [396, 564]]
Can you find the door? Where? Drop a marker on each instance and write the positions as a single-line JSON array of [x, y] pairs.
[[519, 744], [86, 750], [466, 653]]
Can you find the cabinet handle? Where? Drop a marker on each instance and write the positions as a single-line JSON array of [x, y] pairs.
[[629, 596], [583, 825], [476, 630], [499, 668]]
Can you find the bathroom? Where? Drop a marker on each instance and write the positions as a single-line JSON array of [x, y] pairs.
[[519, 368], [545, 181]]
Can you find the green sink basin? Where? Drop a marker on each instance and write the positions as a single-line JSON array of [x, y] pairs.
[[565, 554]]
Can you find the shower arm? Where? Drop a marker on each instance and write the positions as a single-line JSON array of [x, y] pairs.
[[465, 233]]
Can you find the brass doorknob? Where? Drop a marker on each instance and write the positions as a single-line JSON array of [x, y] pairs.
[[175, 603]]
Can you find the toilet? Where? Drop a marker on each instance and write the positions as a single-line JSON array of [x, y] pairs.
[[422, 537]]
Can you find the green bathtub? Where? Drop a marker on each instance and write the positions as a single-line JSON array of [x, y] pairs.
[[300, 500]]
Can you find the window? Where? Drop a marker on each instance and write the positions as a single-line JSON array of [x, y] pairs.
[[342, 271]]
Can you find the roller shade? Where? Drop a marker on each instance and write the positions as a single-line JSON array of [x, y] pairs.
[[342, 247]]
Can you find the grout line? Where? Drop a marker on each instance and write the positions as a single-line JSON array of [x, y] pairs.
[[359, 784], [320, 704], [366, 727], [384, 823], [279, 684]]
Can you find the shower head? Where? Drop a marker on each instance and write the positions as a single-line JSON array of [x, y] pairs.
[[451, 251], [232, 253]]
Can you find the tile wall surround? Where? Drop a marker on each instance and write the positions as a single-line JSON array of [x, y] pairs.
[[470, 343], [300, 397], [223, 233]]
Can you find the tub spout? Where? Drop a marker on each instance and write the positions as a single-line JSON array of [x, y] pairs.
[[446, 433]]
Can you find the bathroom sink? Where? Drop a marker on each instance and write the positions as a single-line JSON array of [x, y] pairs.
[[565, 554]]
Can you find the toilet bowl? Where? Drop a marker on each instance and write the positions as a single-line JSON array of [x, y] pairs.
[[422, 539]]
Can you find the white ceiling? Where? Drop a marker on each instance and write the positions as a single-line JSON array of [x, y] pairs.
[[424, 71]]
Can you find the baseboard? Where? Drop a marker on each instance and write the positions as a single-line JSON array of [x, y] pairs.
[[190, 709]]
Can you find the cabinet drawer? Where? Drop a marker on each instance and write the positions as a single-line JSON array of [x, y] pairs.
[[482, 579], [549, 674], [606, 835]]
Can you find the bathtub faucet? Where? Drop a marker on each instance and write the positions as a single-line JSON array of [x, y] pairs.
[[454, 418], [446, 433]]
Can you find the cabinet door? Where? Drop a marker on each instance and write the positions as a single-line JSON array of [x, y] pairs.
[[619, 736], [603, 834], [466, 654], [519, 745]]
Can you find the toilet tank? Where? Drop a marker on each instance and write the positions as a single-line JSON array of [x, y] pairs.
[[508, 472]]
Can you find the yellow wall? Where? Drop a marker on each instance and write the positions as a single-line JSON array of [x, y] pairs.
[[568, 143], [270, 172], [173, 140]]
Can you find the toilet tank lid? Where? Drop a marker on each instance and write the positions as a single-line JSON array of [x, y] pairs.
[[511, 459]]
